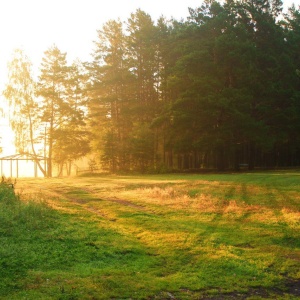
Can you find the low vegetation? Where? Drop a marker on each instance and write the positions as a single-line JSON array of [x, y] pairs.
[[213, 236]]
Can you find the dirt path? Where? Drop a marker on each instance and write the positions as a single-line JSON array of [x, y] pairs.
[[87, 196], [59, 196]]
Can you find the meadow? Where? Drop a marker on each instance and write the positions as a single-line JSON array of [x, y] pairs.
[[179, 236]]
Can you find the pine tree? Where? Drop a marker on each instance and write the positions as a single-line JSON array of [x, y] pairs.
[[72, 137], [109, 92], [142, 52], [52, 88]]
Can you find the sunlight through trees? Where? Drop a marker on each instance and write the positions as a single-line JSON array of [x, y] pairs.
[[218, 91]]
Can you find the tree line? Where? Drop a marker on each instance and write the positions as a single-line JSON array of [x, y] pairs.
[[220, 90]]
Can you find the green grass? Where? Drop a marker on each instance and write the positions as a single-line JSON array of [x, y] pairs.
[[214, 236]]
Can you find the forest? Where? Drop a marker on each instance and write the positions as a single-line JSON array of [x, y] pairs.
[[217, 91]]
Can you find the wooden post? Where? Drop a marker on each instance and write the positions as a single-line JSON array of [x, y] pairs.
[[35, 169], [46, 167], [10, 167]]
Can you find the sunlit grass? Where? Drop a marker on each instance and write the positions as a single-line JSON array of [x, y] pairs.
[[131, 237]]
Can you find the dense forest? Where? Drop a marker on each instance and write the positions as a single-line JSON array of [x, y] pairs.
[[219, 90]]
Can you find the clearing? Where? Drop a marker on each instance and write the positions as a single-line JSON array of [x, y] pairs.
[[213, 236]]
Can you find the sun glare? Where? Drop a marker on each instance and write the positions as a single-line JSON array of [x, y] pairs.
[[7, 138]]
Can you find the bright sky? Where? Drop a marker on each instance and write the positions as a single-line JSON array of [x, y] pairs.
[[35, 25]]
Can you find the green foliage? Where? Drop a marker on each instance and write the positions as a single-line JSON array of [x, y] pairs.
[[7, 194], [185, 236], [216, 91], [62, 111], [43, 112]]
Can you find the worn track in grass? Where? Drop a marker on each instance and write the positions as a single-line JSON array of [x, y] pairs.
[[113, 200]]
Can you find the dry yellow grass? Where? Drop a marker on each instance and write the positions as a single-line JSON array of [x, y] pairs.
[[196, 233], [160, 194]]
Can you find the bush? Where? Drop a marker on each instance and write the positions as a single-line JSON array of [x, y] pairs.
[[7, 192]]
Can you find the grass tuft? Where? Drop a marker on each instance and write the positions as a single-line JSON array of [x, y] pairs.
[[229, 236]]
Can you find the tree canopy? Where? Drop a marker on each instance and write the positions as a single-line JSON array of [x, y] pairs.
[[217, 91]]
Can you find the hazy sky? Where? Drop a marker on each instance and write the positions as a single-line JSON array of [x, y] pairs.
[[35, 25]]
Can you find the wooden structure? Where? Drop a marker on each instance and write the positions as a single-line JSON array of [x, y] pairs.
[[16, 158]]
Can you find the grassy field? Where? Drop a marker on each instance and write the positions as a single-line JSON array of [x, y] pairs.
[[213, 236]]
